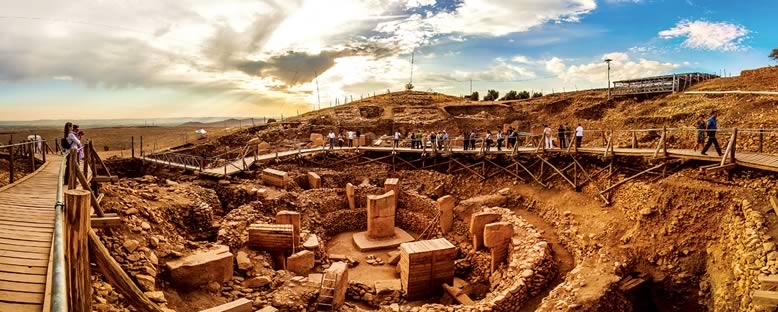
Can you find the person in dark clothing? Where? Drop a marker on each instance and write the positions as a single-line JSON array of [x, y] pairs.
[[561, 136], [500, 138], [434, 140], [473, 139], [711, 127], [700, 132], [358, 136]]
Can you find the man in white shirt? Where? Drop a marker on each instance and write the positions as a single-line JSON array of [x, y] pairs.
[[397, 136], [548, 137], [331, 137], [578, 136], [350, 135]]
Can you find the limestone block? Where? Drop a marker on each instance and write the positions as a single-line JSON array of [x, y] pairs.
[[380, 215], [477, 223], [338, 270], [311, 243], [314, 180], [497, 237], [393, 184], [350, 196], [317, 139], [240, 305], [202, 267], [446, 207], [274, 177], [293, 218], [300, 263]]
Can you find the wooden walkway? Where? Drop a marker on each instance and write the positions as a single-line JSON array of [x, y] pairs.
[[745, 159], [26, 229]]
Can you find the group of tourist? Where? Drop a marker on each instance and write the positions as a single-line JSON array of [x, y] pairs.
[[350, 137], [565, 136], [71, 141]]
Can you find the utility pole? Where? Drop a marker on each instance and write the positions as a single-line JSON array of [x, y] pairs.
[[318, 95], [471, 85], [608, 61]]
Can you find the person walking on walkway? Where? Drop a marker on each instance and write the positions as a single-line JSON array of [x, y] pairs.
[[548, 137], [569, 135], [578, 136], [712, 127], [488, 140], [700, 126], [433, 139], [473, 139], [331, 137], [350, 135], [445, 139], [340, 139], [397, 136], [512, 136], [500, 138], [419, 139], [561, 136], [358, 137]]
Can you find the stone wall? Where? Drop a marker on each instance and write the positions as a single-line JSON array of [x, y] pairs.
[[746, 254]]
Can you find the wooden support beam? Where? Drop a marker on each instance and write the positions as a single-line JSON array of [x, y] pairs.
[[506, 170], [774, 203], [77, 225], [106, 222], [728, 151], [116, 276], [589, 178], [554, 173], [633, 177], [769, 282], [530, 173], [467, 167], [100, 161], [85, 185], [659, 146], [406, 162], [765, 298], [558, 171], [719, 167], [103, 179]]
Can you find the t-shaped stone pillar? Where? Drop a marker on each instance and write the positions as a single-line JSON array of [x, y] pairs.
[[497, 237], [350, 196], [293, 218], [380, 215], [314, 180], [446, 209], [393, 184], [477, 223]]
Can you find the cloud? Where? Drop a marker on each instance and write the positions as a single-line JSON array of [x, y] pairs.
[[622, 67], [500, 70], [501, 17], [703, 35]]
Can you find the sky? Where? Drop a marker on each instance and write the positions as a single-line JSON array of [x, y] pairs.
[[85, 59]]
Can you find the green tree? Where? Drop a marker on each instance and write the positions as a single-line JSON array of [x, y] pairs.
[[472, 97], [537, 94], [511, 95], [491, 95], [523, 95], [774, 55]]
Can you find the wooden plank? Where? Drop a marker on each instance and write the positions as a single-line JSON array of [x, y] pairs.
[[23, 278], [24, 255], [21, 297], [106, 222], [17, 237], [21, 269], [22, 287], [24, 248], [19, 307], [35, 227], [6, 241]]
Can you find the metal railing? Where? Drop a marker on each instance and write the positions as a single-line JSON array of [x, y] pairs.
[[59, 285]]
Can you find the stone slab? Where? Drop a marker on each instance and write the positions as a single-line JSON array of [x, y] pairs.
[[446, 207], [381, 211], [477, 223], [388, 286], [350, 196], [393, 184], [497, 237], [301, 262], [274, 177], [240, 305], [314, 180], [202, 267], [364, 243]]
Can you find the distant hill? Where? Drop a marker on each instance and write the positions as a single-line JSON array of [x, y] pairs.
[[227, 123]]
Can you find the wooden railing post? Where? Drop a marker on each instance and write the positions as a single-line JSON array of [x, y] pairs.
[[77, 249], [634, 139], [85, 149], [11, 161], [141, 146], [664, 142], [734, 146], [132, 144], [44, 150], [31, 154], [761, 139]]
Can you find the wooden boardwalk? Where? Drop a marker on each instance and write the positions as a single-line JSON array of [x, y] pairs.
[[745, 159], [26, 229]]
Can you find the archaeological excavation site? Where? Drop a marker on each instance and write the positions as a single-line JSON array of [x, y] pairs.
[[273, 218]]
